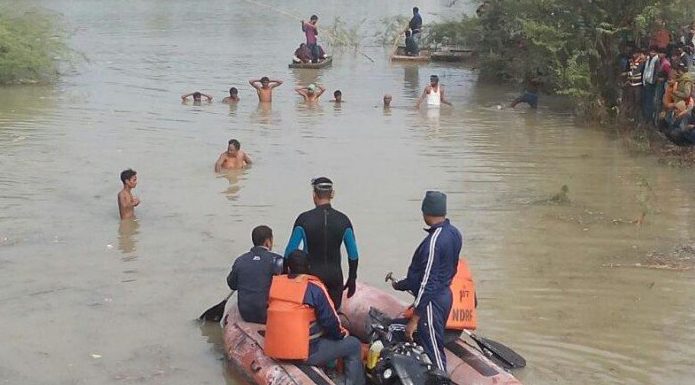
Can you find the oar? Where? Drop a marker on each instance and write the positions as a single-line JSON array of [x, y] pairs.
[[215, 313], [506, 356]]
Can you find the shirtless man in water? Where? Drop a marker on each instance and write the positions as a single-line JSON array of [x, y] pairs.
[[233, 158], [264, 87], [197, 97], [126, 200], [233, 96], [310, 93]]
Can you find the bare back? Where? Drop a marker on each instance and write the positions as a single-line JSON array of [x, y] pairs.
[[265, 95]]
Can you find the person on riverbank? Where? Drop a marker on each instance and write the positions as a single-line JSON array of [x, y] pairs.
[[126, 201], [197, 97], [662, 77], [321, 231], [530, 95], [431, 271], [337, 97], [649, 82], [433, 94], [264, 88], [233, 158], [632, 99], [310, 93], [252, 274], [311, 32], [233, 96], [415, 25]]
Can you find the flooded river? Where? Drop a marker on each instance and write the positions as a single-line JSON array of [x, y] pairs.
[[84, 300]]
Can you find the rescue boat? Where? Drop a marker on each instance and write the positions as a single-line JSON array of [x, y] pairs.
[[243, 343]]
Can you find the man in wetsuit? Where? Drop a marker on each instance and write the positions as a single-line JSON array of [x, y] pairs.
[[321, 231]]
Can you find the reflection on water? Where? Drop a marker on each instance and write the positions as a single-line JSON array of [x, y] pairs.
[[233, 176], [411, 81]]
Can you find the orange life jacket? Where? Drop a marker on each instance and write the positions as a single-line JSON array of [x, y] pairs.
[[462, 315], [289, 320]]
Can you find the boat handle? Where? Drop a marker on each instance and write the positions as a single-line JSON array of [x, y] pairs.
[[255, 367]]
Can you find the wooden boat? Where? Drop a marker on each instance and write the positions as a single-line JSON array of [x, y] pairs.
[[323, 63], [452, 55], [400, 56], [243, 344]]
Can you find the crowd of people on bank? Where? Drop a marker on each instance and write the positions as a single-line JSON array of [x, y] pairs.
[[657, 84]]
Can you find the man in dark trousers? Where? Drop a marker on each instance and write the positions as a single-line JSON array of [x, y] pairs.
[[429, 276], [252, 274], [415, 25], [322, 231]]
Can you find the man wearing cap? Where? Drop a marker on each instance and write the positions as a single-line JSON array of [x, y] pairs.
[[429, 276], [310, 93], [321, 231]]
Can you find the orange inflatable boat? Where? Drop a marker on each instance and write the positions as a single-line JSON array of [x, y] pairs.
[[243, 344]]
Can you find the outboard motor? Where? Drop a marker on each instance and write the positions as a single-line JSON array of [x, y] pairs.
[[399, 362]]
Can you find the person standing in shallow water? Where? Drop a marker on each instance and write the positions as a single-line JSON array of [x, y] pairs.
[[264, 87], [233, 96], [126, 201], [233, 158], [433, 94], [321, 231], [197, 97]]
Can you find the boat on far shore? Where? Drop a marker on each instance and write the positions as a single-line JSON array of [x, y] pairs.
[[452, 55], [323, 63]]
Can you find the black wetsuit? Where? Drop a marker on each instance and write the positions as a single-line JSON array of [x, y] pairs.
[[251, 276], [321, 231]]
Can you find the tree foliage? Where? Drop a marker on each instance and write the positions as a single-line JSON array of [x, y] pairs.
[[571, 45]]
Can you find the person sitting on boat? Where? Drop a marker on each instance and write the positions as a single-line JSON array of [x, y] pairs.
[[433, 93], [303, 323], [411, 48], [302, 54], [252, 274], [430, 274], [322, 54]]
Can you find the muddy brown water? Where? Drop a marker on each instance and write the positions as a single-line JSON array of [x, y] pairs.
[[86, 300]]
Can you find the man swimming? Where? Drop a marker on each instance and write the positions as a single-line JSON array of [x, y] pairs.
[[309, 93], [126, 200], [233, 96], [197, 97], [337, 97], [387, 101], [233, 158], [264, 87], [433, 93]]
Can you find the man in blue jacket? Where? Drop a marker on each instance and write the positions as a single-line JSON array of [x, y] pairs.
[[429, 276]]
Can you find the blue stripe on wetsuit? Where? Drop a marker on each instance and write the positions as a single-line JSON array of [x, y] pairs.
[[298, 236], [350, 244]]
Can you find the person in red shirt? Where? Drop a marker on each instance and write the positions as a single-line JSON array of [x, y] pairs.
[[311, 31]]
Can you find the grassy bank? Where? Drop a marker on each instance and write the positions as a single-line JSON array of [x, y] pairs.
[[31, 47]]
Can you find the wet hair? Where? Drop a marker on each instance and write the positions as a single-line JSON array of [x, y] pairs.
[[314, 17], [337, 93], [298, 262], [265, 79], [260, 234], [434, 77], [197, 95], [407, 33], [416, 9], [127, 174], [235, 143], [233, 91]]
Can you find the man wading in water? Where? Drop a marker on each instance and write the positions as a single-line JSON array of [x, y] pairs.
[[309, 93], [233, 158], [126, 200], [433, 93], [264, 87], [322, 231]]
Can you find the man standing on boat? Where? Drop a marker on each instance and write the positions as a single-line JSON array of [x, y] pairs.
[[430, 274], [252, 274], [311, 31], [433, 94], [321, 231], [415, 25]]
